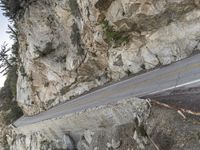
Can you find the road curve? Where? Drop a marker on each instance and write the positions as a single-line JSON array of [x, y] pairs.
[[180, 74]]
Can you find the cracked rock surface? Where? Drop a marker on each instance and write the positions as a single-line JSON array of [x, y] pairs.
[[151, 128], [68, 47]]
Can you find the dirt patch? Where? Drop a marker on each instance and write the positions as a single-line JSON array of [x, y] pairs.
[[170, 131]]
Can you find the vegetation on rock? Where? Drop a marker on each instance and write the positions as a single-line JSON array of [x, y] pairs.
[[9, 108], [14, 8], [74, 8], [114, 36], [9, 60], [11, 7], [76, 39]]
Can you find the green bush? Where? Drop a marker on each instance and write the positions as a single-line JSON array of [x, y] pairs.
[[10, 110], [22, 71], [74, 8], [76, 39], [12, 114], [64, 90], [111, 35]]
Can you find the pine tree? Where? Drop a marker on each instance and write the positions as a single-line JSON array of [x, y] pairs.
[[10, 7], [4, 59], [12, 31]]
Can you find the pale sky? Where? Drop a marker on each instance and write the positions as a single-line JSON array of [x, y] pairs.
[[4, 37]]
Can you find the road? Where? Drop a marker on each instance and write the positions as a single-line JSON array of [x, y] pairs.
[[175, 76]]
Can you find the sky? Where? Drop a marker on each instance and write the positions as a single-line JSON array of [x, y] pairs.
[[4, 37]]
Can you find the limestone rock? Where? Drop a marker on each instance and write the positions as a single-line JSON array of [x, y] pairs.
[[88, 136], [39, 141], [69, 143], [82, 145], [65, 51], [115, 144]]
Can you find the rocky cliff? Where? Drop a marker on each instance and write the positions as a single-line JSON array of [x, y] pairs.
[[68, 47], [131, 124]]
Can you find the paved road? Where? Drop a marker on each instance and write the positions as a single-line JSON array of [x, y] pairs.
[[180, 74]]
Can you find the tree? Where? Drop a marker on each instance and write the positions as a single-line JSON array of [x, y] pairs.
[[4, 59], [14, 8], [9, 56], [8, 61], [11, 7], [13, 32]]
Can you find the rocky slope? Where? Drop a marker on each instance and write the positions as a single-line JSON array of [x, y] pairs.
[[68, 47], [132, 124]]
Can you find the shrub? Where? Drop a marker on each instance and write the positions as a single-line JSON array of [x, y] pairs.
[[76, 39], [22, 71], [10, 110], [111, 35], [74, 8], [64, 90]]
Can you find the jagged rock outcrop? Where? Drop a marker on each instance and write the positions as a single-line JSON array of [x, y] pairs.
[[68, 47], [38, 141]]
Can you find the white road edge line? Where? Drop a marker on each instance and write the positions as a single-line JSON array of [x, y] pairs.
[[174, 87]]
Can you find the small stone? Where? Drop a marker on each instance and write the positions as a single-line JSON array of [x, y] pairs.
[[69, 142], [116, 144], [88, 136], [109, 145], [96, 148], [82, 145]]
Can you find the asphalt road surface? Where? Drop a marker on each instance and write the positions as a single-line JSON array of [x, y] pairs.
[[182, 74]]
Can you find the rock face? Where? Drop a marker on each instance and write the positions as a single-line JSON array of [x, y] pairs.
[[84, 130], [68, 47], [38, 141], [130, 124]]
